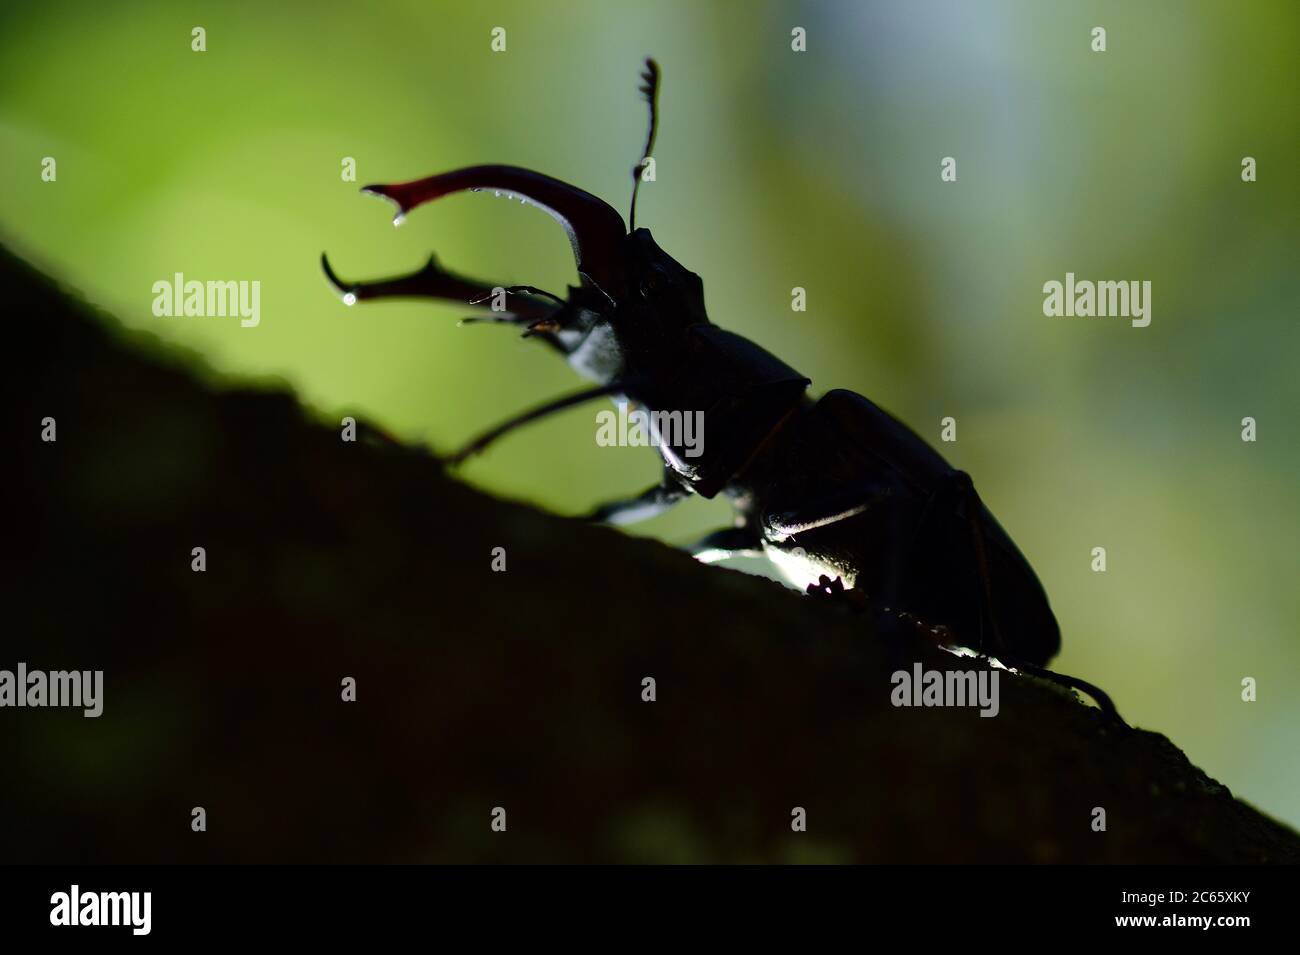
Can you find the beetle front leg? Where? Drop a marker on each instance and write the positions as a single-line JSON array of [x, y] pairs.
[[536, 414]]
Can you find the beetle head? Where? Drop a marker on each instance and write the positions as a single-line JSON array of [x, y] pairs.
[[632, 296], [656, 286], [635, 323]]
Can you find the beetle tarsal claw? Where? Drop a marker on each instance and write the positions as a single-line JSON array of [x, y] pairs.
[[827, 586], [834, 590]]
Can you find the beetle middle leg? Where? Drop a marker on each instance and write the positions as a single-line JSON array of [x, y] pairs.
[[651, 502], [741, 540], [818, 527], [808, 538]]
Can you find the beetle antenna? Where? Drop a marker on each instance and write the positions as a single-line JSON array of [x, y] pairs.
[[516, 290], [650, 90], [506, 319]]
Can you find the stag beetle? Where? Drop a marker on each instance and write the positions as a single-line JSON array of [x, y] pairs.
[[839, 494]]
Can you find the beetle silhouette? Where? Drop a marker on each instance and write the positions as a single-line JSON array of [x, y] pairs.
[[843, 497]]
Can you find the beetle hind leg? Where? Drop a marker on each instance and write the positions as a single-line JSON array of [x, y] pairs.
[[1103, 700], [997, 646]]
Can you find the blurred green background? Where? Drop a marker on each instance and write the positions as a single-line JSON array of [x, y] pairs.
[[775, 169]]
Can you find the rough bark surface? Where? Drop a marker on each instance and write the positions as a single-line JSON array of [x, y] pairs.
[[475, 689]]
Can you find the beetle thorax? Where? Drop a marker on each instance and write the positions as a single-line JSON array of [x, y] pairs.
[[598, 356]]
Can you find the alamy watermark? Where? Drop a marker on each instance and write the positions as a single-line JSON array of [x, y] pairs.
[[219, 299], [922, 687], [75, 907], [1086, 299], [639, 428], [75, 688]]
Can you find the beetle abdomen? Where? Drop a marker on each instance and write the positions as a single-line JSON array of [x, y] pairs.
[[865, 496]]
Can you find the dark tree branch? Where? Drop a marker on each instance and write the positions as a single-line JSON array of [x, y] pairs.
[[475, 689]]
